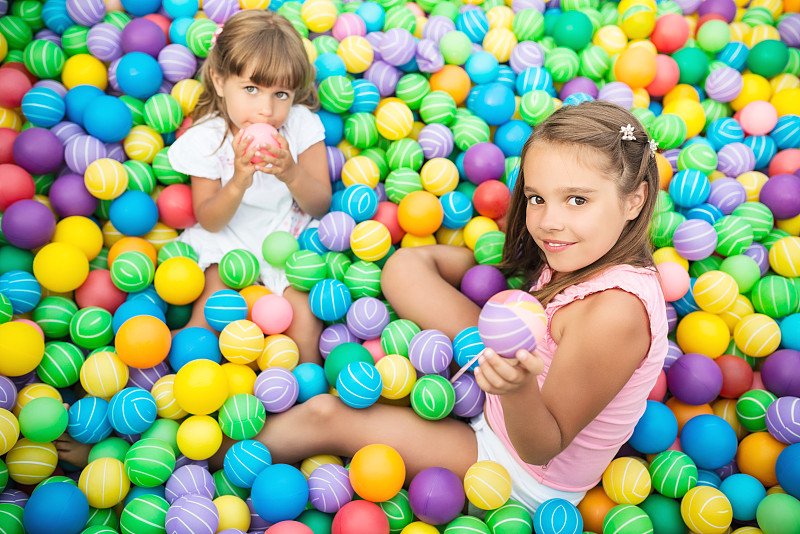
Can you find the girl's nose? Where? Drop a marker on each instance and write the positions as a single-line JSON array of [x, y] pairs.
[[552, 219], [265, 107]]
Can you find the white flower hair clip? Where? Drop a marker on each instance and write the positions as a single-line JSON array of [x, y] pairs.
[[627, 133], [653, 146]]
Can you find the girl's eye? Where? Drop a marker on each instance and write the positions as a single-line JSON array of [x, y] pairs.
[[282, 95], [535, 200], [577, 201], [251, 90]]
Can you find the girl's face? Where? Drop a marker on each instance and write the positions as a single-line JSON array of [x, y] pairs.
[[574, 213], [248, 103]]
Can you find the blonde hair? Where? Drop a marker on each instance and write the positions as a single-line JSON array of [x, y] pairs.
[[592, 130], [264, 46]]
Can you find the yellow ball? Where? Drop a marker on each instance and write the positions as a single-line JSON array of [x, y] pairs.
[[784, 257], [187, 92], [60, 267], [626, 481], [279, 351], [638, 21], [241, 341], [680, 92], [419, 527], [703, 332], [715, 291], [754, 88], [787, 102], [706, 510], [691, 112], [106, 178], [611, 39], [34, 391], [741, 308], [142, 143], [81, 232], [21, 350], [782, 82], [669, 254], [360, 170], [356, 52], [500, 17], [487, 485], [233, 513], [752, 181], [200, 387], [348, 150], [641, 98], [398, 376], [9, 430], [500, 42], [103, 374], [439, 176], [762, 32], [179, 281], [29, 462], [199, 437], [318, 15], [452, 237], [411, 240], [476, 227], [789, 225], [10, 119], [84, 69], [241, 378], [394, 120], [166, 405], [254, 4], [3, 47], [104, 482], [160, 235], [110, 234], [308, 465], [370, 240], [757, 335]]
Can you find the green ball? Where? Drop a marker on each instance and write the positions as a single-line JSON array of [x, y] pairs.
[[17, 33], [288, 9], [43, 419], [466, 524], [399, 16], [573, 29], [397, 336], [773, 237], [53, 315], [363, 279], [242, 416], [61, 364], [163, 113], [277, 247], [594, 62], [563, 63], [775, 296], [405, 154], [438, 107], [120, 19], [489, 247], [401, 182], [90, 328], [755, 16], [239, 268], [15, 259], [198, 36], [140, 176], [103, 209], [412, 88], [698, 156], [318, 522], [528, 25], [224, 486], [693, 65], [715, 110], [305, 268], [341, 356], [779, 513], [165, 430], [664, 202], [54, 479], [6, 309], [137, 109], [768, 58], [149, 462], [325, 44], [627, 519], [751, 409], [433, 397], [378, 156], [511, 518], [176, 249], [673, 474], [132, 271], [455, 47], [44, 59], [669, 130], [111, 447], [30, 11], [42, 183], [336, 94], [793, 66], [16, 56], [713, 35], [11, 519], [667, 7], [361, 130], [178, 316], [337, 264], [469, 131], [664, 512], [758, 216], [164, 171], [298, 23], [445, 9], [73, 40], [3, 475], [144, 515], [398, 511], [663, 226], [743, 269], [103, 517], [734, 235], [712, 263], [536, 106]]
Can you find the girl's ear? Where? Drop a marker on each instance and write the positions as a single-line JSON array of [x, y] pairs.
[[636, 201], [217, 81]]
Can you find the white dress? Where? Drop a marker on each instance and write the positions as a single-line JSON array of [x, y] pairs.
[[267, 205]]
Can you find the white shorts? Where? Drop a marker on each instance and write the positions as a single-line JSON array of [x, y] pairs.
[[524, 487]]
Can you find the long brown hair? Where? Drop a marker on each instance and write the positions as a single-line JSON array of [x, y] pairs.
[[593, 129], [264, 46]]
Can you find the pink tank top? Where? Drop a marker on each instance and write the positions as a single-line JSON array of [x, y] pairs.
[[580, 466]]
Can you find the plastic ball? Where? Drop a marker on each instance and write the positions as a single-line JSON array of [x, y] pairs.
[[706, 509], [106, 179], [104, 482], [277, 388], [143, 341], [192, 513], [23, 350], [199, 437], [60, 267], [280, 492], [179, 281], [61, 498], [360, 517], [84, 69], [436, 495], [330, 299], [329, 488], [132, 410], [511, 311], [487, 485], [757, 335], [103, 374], [200, 387], [394, 120], [397, 375], [279, 351], [27, 224], [377, 472], [709, 440], [712, 342]]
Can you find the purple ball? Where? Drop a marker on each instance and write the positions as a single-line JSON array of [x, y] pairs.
[[436, 141], [192, 514], [367, 317], [105, 42], [380, 190], [116, 151], [143, 35], [189, 480], [469, 396], [436, 495], [672, 317], [8, 393], [374, 39], [277, 389], [335, 229], [726, 8], [481, 282], [781, 194], [727, 194], [25, 380], [695, 239], [430, 351], [183, 461], [28, 224], [519, 5], [436, 28], [484, 161], [38, 151], [177, 62], [60, 90], [256, 521], [724, 84], [505, 327], [781, 373], [734, 159], [81, 151], [526, 54], [397, 47], [688, 6], [46, 34], [146, 378], [694, 379], [579, 84], [783, 419], [333, 336], [429, 57], [671, 156], [789, 30], [759, 253], [384, 76], [617, 93], [220, 10], [69, 196], [14, 496], [329, 488], [113, 84], [86, 12], [336, 160]]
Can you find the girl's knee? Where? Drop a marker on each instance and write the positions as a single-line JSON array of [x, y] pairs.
[[322, 409]]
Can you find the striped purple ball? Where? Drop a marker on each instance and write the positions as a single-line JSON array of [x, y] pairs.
[[367, 317], [348, 24], [726, 194], [436, 28], [789, 30], [105, 42], [82, 151], [519, 5], [375, 39], [277, 389], [46, 34], [724, 84], [183, 461], [329, 488], [67, 131], [220, 10], [166, 87], [429, 57], [526, 54], [333, 336], [257, 522], [672, 317], [146, 378], [436, 141], [189, 480], [734, 159], [384, 76], [14, 496], [694, 239], [469, 396], [192, 514], [760, 254], [511, 320], [116, 151], [86, 12], [56, 86], [617, 93], [8, 393], [335, 229], [673, 353], [783, 419], [671, 156], [113, 84], [177, 62], [336, 160], [430, 351]]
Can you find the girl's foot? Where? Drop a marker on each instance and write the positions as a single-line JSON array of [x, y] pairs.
[[71, 451]]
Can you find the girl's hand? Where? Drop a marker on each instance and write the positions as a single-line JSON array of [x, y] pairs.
[[500, 376], [242, 161], [282, 164]]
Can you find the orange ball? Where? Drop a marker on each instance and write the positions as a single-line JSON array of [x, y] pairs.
[[377, 472], [664, 172], [143, 341], [757, 455], [683, 412], [132, 243], [593, 508], [251, 294], [420, 213], [636, 67], [453, 80]]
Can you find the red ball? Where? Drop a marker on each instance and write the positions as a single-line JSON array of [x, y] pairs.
[[20, 67], [387, 214], [7, 137], [360, 517], [15, 184], [785, 162], [175, 208], [98, 290], [737, 376], [670, 33], [667, 75], [491, 199], [289, 527], [13, 86], [659, 390], [161, 21]]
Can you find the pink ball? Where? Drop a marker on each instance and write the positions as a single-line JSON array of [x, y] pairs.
[[785, 162], [13, 86], [348, 24], [273, 314], [374, 347], [674, 280], [660, 388], [175, 207], [510, 321], [289, 527], [758, 118]]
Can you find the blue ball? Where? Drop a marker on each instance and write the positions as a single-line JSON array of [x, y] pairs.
[[705, 212], [790, 332], [140, 8], [150, 294], [511, 136], [576, 98], [133, 213], [334, 127], [764, 149], [744, 493], [655, 107], [686, 304], [336, 197], [410, 65], [724, 131], [223, 307], [132, 411], [193, 343], [365, 96], [466, 345], [493, 102], [108, 118], [533, 78], [360, 202], [689, 188], [359, 384], [708, 478], [557, 516], [244, 461], [373, 15], [329, 64], [88, 420], [78, 99], [457, 209], [57, 500], [55, 16], [178, 29], [309, 240], [709, 441], [139, 75], [22, 289], [311, 381], [280, 493], [507, 77], [482, 67], [786, 133], [133, 308], [656, 430], [138, 491], [787, 468], [511, 178], [734, 54], [43, 107], [181, 8], [474, 23], [330, 299]]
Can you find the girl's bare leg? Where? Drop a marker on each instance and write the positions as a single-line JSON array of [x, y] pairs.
[[305, 328]]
